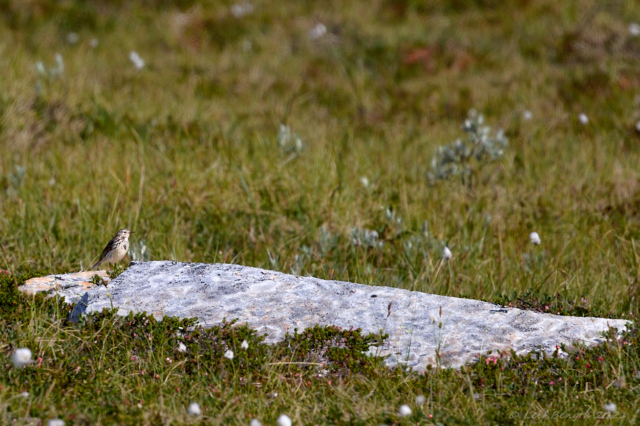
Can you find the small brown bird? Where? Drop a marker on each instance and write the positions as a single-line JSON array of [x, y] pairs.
[[116, 250]]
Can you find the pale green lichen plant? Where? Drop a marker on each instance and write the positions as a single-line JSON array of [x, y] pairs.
[[47, 74], [457, 158], [138, 252], [289, 142]]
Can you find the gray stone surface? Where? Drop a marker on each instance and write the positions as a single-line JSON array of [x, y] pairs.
[[274, 303]]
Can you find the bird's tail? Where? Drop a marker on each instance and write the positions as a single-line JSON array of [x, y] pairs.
[[93, 268]]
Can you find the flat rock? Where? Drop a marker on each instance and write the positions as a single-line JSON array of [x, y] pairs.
[[72, 286], [274, 303]]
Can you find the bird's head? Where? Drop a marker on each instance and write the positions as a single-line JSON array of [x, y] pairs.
[[124, 233]]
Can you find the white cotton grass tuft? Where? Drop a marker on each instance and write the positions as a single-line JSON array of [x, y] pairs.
[[21, 357], [446, 253], [239, 10], [404, 410], [40, 68], [59, 63], [244, 345], [55, 422], [534, 238], [194, 409], [634, 29], [283, 420], [420, 399], [318, 31], [255, 422], [527, 115], [583, 119], [610, 407], [73, 38], [182, 347], [228, 354], [138, 62]]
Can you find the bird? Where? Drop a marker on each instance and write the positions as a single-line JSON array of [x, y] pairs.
[[116, 249]]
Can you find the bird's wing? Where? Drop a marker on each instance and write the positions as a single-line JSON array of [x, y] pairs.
[[102, 256]]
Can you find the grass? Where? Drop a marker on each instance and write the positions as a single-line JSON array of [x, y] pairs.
[[186, 152], [130, 370]]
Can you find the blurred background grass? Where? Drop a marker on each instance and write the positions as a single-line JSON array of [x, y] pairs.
[[186, 150]]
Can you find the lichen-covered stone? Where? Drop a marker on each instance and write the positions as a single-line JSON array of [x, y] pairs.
[[421, 326]]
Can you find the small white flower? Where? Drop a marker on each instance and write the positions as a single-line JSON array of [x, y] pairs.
[[364, 181], [194, 409], [283, 420], [182, 347], [404, 410], [610, 407], [73, 38], [228, 354], [244, 345], [255, 422], [138, 62], [446, 253], [23, 395], [21, 357], [93, 43], [534, 238], [527, 115], [318, 31], [420, 399], [634, 29], [583, 118], [55, 422]]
